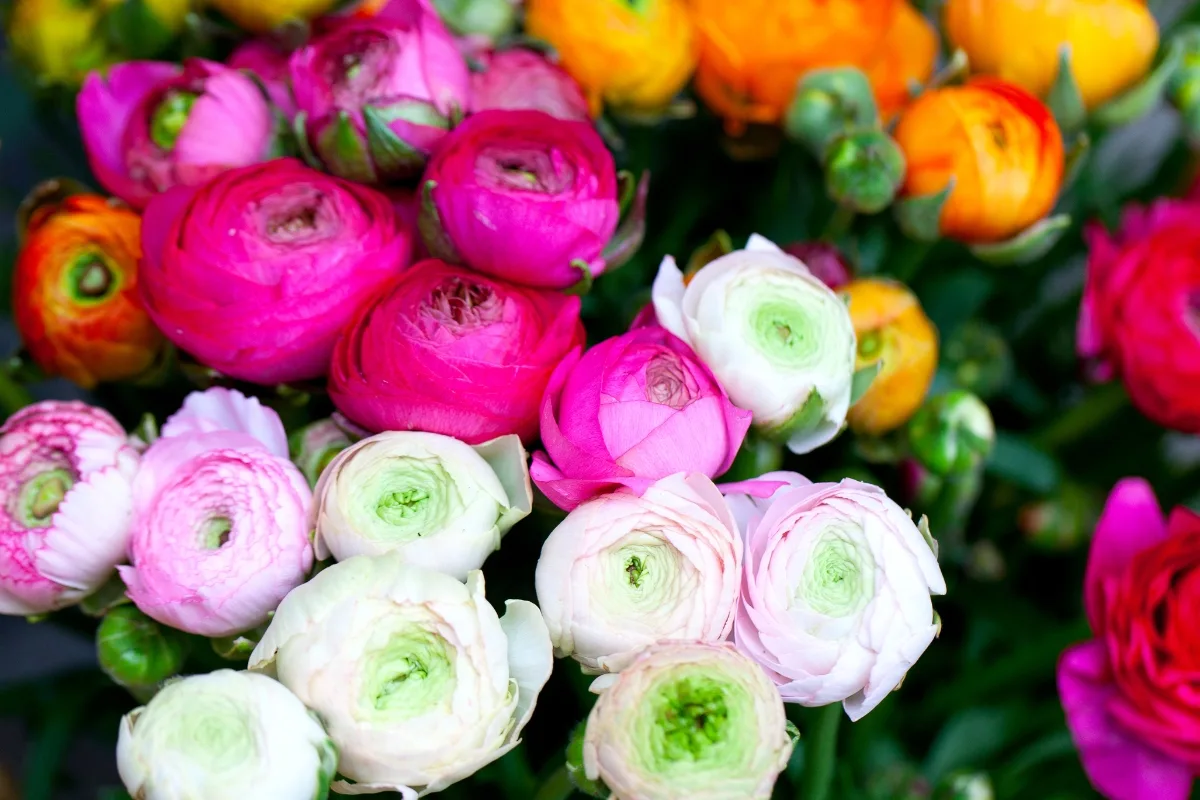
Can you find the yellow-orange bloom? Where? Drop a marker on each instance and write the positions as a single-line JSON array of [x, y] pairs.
[[753, 52], [59, 40], [892, 329], [1112, 41], [263, 16], [170, 13], [75, 292], [998, 143], [907, 55], [633, 55]]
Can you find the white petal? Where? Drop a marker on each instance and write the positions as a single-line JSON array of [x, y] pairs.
[[667, 295], [760, 243], [530, 656], [509, 461], [90, 532]]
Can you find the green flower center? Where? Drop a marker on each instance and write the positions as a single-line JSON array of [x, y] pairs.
[[411, 672], [394, 508], [400, 499], [838, 578], [783, 332], [90, 279], [869, 345], [213, 732], [168, 119], [214, 532], [635, 568], [39, 498], [691, 718]]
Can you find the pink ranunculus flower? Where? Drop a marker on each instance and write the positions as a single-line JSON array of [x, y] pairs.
[[220, 518], [449, 351], [633, 409], [65, 504], [1131, 693], [376, 95], [523, 196], [269, 64], [836, 590], [525, 79], [257, 272], [148, 125]]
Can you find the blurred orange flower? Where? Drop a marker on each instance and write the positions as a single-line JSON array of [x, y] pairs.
[[907, 55]]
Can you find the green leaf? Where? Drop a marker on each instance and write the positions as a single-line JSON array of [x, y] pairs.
[[861, 382], [1015, 459], [920, 217], [1027, 246], [1065, 100], [970, 737], [1141, 98]]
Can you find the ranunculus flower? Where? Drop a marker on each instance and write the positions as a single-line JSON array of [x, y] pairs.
[[149, 125], [628, 569], [835, 599], [268, 63], [632, 56], [419, 682], [375, 96], [449, 351], [75, 296], [1130, 694], [632, 409], [65, 504], [777, 338], [824, 261], [220, 518], [257, 272], [60, 41], [224, 736], [523, 196], [906, 56], [525, 79], [1140, 306], [440, 503], [264, 17], [697, 720]]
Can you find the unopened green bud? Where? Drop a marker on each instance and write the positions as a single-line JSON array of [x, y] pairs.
[[964, 785], [864, 170], [491, 18], [137, 652], [315, 445], [828, 103], [952, 433]]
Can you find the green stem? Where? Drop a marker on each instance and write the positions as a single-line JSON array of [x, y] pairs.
[[839, 224], [557, 787], [1086, 416], [13, 396], [821, 753], [907, 263]]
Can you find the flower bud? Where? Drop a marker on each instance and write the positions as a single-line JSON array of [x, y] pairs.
[[487, 18], [522, 79], [136, 651], [863, 170], [952, 433], [892, 331], [824, 261], [59, 41], [979, 358], [828, 103], [964, 785], [1061, 522], [315, 445]]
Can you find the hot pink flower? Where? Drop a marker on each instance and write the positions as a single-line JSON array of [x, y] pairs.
[[257, 272], [1130, 694], [148, 126], [629, 411], [524, 79], [523, 196], [270, 65], [220, 522], [376, 95], [449, 351], [65, 471]]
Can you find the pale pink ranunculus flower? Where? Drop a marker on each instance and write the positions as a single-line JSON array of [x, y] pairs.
[[65, 504], [627, 569], [836, 591]]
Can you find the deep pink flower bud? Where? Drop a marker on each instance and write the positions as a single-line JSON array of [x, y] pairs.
[[270, 65], [823, 260], [629, 411], [257, 272], [376, 95], [524, 79], [148, 126], [65, 504], [449, 351], [523, 196]]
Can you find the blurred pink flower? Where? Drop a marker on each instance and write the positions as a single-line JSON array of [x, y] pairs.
[[521, 79], [270, 65]]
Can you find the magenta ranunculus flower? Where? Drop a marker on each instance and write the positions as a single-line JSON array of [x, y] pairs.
[[270, 65], [257, 272], [220, 518], [523, 196], [631, 410], [525, 79], [149, 125], [376, 95], [449, 351], [65, 504]]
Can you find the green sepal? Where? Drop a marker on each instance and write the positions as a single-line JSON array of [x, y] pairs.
[[927, 535], [631, 230], [956, 68], [234, 648], [300, 133], [805, 419], [584, 285], [327, 762], [1138, 101], [627, 185], [429, 225], [344, 150], [1075, 159], [719, 244], [1027, 246], [920, 217], [1065, 100], [110, 595], [862, 380], [574, 763], [864, 168]]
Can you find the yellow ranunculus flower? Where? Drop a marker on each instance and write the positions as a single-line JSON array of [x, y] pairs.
[[59, 40]]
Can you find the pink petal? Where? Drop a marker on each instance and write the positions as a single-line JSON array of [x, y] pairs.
[[230, 124], [1132, 521], [220, 409]]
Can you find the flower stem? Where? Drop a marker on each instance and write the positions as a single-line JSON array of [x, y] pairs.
[[839, 224], [908, 261], [821, 753], [557, 787], [1085, 416], [13, 396]]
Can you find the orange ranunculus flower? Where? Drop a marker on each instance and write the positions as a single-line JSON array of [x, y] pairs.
[[998, 143], [1112, 41], [633, 55], [753, 52], [75, 292], [907, 54], [892, 328]]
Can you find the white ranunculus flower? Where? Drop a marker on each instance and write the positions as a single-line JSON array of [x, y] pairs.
[[836, 601], [225, 736], [439, 502], [687, 719], [624, 570], [418, 680], [777, 338]]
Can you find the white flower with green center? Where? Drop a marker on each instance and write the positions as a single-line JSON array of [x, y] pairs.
[[836, 600], [777, 338], [624, 570], [418, 680], [687, 719], [225, 736], [439, 502]]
